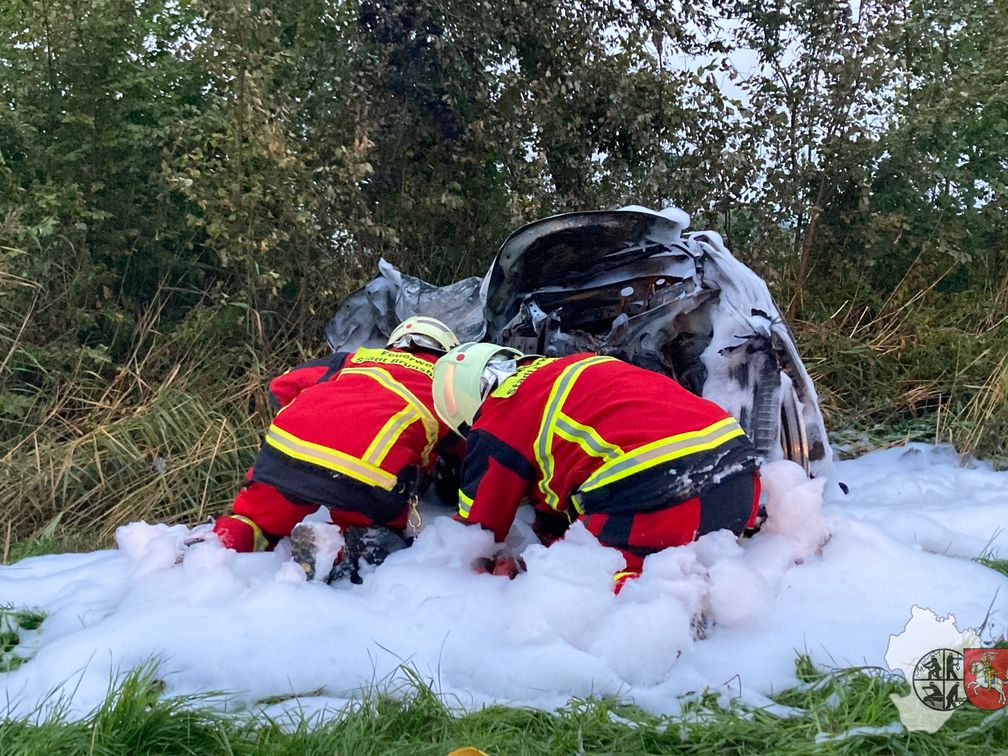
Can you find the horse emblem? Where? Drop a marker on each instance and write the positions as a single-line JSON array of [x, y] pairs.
[[984, 678]]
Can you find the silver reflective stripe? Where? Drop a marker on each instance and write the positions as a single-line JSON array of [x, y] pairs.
[[331, 459], [388, 435], [587, 438], [384, 378], [663, 450], [547, 427]]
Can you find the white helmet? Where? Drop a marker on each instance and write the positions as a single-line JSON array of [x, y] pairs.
[[459, 385], [420, 331]]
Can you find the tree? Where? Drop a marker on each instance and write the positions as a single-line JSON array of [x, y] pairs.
[[822, 71]]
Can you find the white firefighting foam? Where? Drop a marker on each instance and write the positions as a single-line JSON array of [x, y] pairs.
[[830, 575]]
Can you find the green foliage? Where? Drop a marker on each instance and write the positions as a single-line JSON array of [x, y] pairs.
[[188, 188], [13, 624], [90, 102], [42, 546], [843, 711], [1001, 565]]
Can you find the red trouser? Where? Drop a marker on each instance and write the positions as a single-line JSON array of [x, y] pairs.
[[276, 516], [644, 533]]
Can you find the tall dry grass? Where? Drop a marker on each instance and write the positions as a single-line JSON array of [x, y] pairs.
[[934, 364], [164, 436]]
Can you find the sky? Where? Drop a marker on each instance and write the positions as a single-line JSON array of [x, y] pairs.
[[831, 575]]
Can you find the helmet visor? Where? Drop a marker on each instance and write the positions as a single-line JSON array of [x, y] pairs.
[[419, 340], [495, 373]]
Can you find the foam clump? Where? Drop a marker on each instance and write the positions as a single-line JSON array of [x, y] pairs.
[[151, 547], [794, 506]]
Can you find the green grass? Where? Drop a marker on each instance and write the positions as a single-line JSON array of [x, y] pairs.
[[933, 372], [13, 623], [42, 546], [136, 720], [1001, 565]]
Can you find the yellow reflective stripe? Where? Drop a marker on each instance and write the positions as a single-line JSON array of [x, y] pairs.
[[259, 542], [617, 576], [586, 437], [389, 434], [385, 379], [509, 386], [589, 440], [465, 506], [663, 450], [388, 357], [331, 459], [576, 501], [547, 427]]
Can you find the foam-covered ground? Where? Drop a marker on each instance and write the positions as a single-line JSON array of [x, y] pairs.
[[830, 575]]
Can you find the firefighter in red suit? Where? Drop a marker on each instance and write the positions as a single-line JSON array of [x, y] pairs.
[[354, 432], [644, 463]]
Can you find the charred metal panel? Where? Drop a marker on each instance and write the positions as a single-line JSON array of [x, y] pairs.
[[579, 252], [627, 283], [369, 315]]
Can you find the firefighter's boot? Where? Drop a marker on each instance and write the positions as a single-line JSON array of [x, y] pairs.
[[316, 546], [364, 549]]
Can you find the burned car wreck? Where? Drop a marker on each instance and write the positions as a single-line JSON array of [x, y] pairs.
[[634, 284]]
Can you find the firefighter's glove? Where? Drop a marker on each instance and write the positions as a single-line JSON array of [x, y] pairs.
[[500, 563], [447, 478], [550, 527], [199, 534]]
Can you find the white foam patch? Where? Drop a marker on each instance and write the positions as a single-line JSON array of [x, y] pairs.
[[832, 576]]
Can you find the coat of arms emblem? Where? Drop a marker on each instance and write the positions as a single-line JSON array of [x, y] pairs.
[[985, 676]]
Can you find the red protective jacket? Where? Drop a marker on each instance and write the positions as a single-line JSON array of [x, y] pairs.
[[353, 423], [591, 435]]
